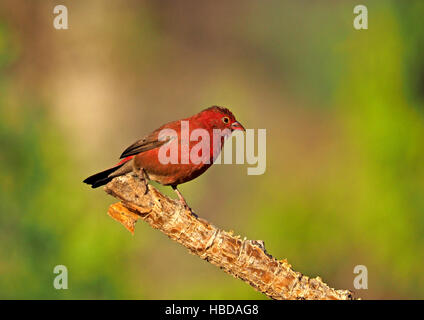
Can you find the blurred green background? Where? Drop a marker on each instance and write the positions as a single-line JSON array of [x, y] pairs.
[[343, 109]]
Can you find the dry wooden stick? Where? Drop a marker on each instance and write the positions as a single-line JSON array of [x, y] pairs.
[[244, 259]]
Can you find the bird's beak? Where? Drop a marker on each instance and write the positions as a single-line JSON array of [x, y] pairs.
[[237, 126]]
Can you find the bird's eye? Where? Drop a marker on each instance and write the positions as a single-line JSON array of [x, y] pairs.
[[225, 120]]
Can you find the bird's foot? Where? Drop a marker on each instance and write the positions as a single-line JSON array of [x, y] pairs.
[[187, 208], [143, 178], [183, 202]]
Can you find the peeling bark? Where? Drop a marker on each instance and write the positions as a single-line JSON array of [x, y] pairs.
[[243, 259]]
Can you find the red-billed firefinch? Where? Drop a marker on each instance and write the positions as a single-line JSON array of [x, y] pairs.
[[143, 157]]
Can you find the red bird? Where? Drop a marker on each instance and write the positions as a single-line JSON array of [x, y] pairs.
[[144, 156]]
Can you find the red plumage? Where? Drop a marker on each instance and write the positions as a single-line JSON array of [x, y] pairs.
[[142, 157]]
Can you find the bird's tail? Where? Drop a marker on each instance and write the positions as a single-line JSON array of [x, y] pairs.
[[101, 178]]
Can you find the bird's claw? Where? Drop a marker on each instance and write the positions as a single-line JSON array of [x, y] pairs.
[[187, 208], [146, 187]]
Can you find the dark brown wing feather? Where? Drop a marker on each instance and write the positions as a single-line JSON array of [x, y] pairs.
[[147, 143]]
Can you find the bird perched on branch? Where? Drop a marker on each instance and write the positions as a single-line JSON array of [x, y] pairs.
[[175, 153]]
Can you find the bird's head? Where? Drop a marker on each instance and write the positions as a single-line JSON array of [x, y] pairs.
[[222, 118]]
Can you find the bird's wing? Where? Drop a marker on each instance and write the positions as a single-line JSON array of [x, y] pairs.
[[147, 143]]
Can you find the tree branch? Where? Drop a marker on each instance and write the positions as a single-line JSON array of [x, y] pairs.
[[244, 259]]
